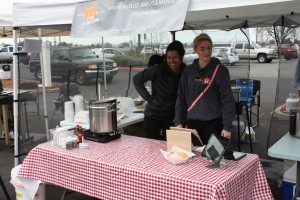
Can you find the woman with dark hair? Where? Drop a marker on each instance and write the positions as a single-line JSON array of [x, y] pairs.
[[160, 108], [155, 59]]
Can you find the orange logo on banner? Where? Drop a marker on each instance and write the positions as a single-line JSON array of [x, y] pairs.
[[90, 12], [206, 80]]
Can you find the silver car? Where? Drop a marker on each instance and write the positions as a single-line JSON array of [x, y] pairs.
[[190, 56], [232, 54], [108, 52], [222, 55]]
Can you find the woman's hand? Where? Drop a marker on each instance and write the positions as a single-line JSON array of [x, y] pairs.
[[179, 126], [226, 134]]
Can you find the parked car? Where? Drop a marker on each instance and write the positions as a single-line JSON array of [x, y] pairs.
[[232, 54], [254, 51], [298, 48], [222, 55], [285, 51], [150, 50], [81, 61], [6, 54], [190, 56], [108, 52]]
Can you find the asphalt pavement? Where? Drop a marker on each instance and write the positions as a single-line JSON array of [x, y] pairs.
[[270, 130]]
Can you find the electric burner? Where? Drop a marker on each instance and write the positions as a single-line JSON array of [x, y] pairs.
[[101, 137]]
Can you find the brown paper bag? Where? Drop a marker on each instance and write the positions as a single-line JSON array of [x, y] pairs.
[[193, 131], [181, 139]]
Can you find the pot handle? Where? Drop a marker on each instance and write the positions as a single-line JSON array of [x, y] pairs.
[[113, 110], [100, 108], [115, 103]]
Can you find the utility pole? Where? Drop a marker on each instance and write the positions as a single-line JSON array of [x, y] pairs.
[[139, 42]]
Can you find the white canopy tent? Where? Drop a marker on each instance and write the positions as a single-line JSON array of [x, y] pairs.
[[214, 14], [226, 14], [6, 20], [7, 30], [57, 15]]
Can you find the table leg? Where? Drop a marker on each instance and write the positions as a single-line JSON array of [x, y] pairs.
[[297, 181], [21, 121], [64, 194], [4, 189], [5, 123], [238, 132]]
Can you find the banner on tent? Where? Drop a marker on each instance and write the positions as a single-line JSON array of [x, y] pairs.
[[127, 17]]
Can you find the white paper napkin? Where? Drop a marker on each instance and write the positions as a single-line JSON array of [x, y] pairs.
[[177, 155]]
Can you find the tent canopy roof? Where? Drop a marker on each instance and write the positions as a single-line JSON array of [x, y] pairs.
[[216, 14], [55, 16]]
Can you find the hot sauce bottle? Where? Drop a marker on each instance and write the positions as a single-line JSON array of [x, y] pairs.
[[79, 133]]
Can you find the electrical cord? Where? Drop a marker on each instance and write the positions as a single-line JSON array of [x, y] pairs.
[[97, 76], [129, 80], [68, 85]]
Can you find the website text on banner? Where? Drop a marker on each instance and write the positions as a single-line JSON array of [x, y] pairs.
[[115, 17]]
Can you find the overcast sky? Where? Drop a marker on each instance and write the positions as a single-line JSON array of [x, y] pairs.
[[183, 36]]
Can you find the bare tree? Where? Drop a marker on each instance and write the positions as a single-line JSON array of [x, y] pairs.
[[261, 34], [281, 33], [158, 38]]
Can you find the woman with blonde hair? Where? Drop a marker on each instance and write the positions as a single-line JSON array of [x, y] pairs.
[[205, 101]]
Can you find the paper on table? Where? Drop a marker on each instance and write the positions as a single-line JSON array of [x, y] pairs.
[[199, 149], [238, 155]]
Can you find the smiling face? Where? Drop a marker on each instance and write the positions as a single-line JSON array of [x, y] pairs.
[[204, 51], [174, 60]]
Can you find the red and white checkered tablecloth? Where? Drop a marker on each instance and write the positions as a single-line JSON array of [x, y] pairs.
[[134, 168]]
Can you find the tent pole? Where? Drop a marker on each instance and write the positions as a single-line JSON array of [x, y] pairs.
[[15, 97], [173, 35], [44, 89], [104, 70], [247, 36]]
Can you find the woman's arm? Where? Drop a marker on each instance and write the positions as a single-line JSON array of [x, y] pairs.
[[139, 82], [227, 100]]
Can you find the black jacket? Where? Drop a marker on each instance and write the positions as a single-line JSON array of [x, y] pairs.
[[161, 104], [217, 102]]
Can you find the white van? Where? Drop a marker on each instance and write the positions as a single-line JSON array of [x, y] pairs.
[[6, 52], [232, 54]]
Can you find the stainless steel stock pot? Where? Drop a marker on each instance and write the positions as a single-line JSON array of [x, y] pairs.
[[103, 116]]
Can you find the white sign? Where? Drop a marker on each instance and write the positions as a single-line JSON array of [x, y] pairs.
[[127, 17]]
